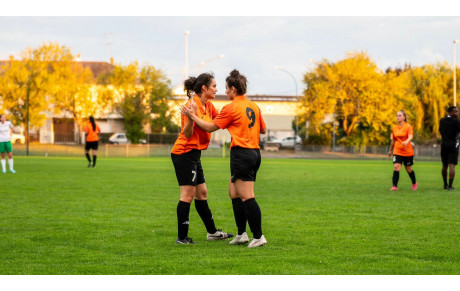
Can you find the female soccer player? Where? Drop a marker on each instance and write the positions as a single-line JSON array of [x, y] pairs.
[[244, 121], [92, 140], [186, 155], [401, 137], [6, 130]]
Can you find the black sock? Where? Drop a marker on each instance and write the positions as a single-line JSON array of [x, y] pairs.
[[203, 210], [445, 181], [240, 215], [450, 182], [183, 210], [94, 160], [395, 178], [254, 217], [412, 177], [88, 157]]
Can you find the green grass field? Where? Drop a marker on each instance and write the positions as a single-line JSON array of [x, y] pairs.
[[319, 217]]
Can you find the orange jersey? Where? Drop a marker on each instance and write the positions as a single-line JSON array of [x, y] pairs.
[[200, 139], [243, 120], [91, 135], [400, 134]]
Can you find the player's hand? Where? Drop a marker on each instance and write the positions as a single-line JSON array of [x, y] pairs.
[[187, 111], [404, 143], [193, 106], [389, 153]]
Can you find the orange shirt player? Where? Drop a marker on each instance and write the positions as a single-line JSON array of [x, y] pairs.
[[92, 140], [402, 150], [244, 121], [186, 158]]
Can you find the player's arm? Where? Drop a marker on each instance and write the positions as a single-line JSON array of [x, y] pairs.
[[188, 128], [204, 125], [392, 145], [408, 140], [263, 127]]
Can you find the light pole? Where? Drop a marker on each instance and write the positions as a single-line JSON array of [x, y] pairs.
[[297, 99], [201, 65], [455, 72]]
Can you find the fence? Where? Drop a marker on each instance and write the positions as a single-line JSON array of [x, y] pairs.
[[428, 153]]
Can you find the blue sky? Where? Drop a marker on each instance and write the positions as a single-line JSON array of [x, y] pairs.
[[252, 44]]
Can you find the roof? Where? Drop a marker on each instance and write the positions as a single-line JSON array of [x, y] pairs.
[[98, 68]]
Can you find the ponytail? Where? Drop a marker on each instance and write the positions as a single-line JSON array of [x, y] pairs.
[[93, 123]]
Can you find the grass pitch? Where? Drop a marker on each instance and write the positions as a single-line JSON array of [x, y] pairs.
[[319, 217]]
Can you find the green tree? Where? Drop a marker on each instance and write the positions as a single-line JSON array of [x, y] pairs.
[[134, 114], [158, 88], [147, 90]]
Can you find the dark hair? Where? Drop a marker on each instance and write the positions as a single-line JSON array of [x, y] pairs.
[[404, 113], [93, 123], [193, 84], [238, 81], [451, 109]]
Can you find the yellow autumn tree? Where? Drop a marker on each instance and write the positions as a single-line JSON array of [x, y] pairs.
[[431, 85], [355, 93], [45, 80]]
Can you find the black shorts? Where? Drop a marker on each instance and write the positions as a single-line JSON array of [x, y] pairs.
[[408, 161], [244, 163], [91, 145], [188, 168], [449, 155]]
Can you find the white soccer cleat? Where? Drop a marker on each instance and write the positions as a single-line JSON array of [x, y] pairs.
[[240, 239], [258, 242], [219, 234]]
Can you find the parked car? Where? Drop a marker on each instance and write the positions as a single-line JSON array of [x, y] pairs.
[[18, 138], [288, 142], [121, 138], [265, 139]]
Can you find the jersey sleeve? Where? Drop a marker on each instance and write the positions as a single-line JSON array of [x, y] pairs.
[[410, 131], [225, 117]]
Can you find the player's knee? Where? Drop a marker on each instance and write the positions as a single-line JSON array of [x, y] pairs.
[[201, 195]]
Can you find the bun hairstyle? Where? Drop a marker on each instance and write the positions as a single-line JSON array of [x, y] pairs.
[[238, 81], [404, 113], [193, 84]]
